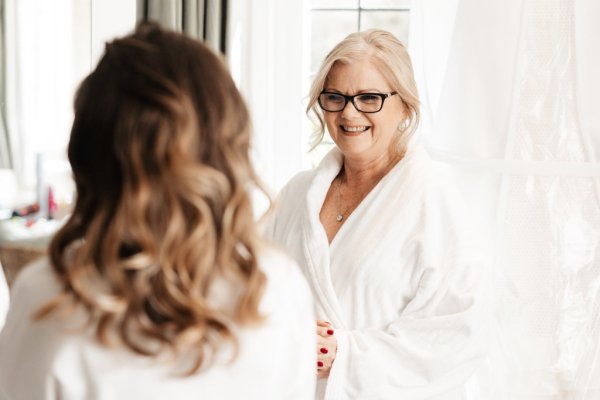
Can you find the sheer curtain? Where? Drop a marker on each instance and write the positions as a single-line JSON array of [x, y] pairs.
[[45, 54], [509, 92], [5, 153], [10, 153]]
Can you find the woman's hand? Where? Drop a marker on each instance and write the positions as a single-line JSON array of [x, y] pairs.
[[326, 348]]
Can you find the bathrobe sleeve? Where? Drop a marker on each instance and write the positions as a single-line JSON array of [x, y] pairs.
[[438, 340], [428, 351]]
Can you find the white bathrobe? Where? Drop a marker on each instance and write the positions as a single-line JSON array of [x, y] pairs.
[[399, 282], [38, 360]]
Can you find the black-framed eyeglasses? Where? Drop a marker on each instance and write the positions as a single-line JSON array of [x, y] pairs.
[[363, 102]]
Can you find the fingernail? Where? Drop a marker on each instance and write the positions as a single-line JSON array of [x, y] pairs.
[[330, 331], [324, 350], [319, 363]]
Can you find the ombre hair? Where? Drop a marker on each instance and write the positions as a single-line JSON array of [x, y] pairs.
[[391, 58], [160, 155]]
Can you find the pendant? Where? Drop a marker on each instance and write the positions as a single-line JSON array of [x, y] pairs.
[[339, 218]]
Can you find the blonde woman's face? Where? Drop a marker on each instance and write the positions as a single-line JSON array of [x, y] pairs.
[[359, 135]]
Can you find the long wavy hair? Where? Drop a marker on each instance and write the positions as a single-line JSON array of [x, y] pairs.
[[160, 155], [391, 58]]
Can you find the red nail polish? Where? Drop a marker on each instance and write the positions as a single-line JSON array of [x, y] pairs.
[[319, 363], [330, 331], [324, 350]]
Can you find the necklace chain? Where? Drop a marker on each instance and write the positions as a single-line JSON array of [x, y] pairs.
[[340, 214]]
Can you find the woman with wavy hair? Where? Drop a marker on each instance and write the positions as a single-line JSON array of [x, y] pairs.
[[158, 285]]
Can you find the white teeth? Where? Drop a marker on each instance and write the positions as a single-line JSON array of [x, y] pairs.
[[355, 128]]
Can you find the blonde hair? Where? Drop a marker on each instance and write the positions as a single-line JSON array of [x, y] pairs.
[[160, 154], [391, 58]]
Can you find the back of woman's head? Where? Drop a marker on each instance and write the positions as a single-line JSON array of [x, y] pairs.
[[159, 150], [392, 60]]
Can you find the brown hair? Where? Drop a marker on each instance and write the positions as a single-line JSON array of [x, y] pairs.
[[388, 55], [160, 154]]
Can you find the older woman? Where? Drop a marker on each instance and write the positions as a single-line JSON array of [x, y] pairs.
[[158, 286], [377, 231]]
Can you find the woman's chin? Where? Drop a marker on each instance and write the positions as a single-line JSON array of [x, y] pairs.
[[355, 151]]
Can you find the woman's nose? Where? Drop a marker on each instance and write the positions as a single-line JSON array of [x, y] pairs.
[[349, 110]]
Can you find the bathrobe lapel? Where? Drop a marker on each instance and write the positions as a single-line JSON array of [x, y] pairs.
[[371, 219], [316, 246]]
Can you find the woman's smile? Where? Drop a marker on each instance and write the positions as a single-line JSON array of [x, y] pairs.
[[354, 130]]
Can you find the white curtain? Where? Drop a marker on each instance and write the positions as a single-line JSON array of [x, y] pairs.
[[45, 55], [10, 149], [5, 153], [510, 96]]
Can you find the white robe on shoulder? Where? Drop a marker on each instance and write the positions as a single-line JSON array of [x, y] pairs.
[[399, 282], [43, 360]]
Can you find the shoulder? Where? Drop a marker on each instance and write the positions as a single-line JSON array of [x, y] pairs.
[[285, 281], [35, 284], [295, 191], [439, 180], [34, 287], [297, 186], [287, 206], [328, 167], [30, 348], [450, 215]]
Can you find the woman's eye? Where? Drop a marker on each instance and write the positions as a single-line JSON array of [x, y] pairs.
[[334, 98], [368, 98]]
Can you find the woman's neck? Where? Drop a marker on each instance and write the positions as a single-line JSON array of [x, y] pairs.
[[359, 173]]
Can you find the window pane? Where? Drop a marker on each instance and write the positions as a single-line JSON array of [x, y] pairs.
[[395, 22], [398, 4], [329, 28], [334, 4]]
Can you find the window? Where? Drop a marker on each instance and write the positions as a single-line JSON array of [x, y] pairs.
[[333, 20], [50, 48], [47, 54]]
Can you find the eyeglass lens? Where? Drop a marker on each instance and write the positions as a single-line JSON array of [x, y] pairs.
[[367, 102]]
